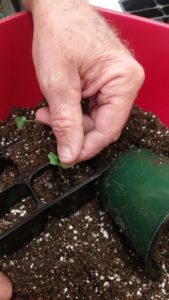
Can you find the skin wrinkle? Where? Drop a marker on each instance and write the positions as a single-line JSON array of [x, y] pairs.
[[63, 119], [95, 85], [106, 61], [114, 77], [103, 83], [88, 123]]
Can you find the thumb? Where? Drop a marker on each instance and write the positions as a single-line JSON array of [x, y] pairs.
[[65, 117], [5, 287]]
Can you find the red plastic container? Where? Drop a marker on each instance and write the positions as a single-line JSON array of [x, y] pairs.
[[148, 40]]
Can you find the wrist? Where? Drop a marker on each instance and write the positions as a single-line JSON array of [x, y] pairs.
[[32, 5], [52, 11]]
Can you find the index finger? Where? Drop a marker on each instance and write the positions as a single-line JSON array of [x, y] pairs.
[[109, 119]]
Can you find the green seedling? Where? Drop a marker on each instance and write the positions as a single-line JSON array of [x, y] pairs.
[[54, 160], [21, 120]]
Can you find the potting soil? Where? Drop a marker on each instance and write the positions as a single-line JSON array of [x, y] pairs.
[[84, 256]]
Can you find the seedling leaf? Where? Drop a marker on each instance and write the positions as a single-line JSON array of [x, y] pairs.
[[20, 121], [53, 159]]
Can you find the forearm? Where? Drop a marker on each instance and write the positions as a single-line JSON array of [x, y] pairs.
[[61, 10], [33, 4]]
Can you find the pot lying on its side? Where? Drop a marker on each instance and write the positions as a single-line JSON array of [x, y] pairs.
[[135, 191]]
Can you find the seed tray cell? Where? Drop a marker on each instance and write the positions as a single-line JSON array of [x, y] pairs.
[[34, 221], [16, 212], [4, 163], [153, 9]]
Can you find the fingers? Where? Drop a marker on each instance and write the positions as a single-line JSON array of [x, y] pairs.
[[43, 116], [114, 103], [5, 287], [75, 61], [64, 115], [67, 126], [109, 111], [88, 124], [104, 132]]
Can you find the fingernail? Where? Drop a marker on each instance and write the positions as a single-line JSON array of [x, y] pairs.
[[64, 152]]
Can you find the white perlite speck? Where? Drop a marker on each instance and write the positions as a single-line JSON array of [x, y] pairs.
[[106, 284], [47, 235], [62, 258], [139, 293], [105, 233], [88, 218]]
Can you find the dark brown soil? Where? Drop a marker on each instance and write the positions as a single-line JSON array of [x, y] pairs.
[[83, 256], [8, 177], [52, 183], [36, 141]]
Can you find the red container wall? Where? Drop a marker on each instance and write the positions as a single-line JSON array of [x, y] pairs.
[[18, 84], [148, 40]]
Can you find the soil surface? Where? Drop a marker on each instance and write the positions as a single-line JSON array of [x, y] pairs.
[[17, 212], [83, 256], [55, 182]]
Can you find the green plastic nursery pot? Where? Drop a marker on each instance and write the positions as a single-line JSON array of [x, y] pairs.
[[135, 191]]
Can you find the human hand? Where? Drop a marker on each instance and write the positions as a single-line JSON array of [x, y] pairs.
[[5, 287], [76, 55]]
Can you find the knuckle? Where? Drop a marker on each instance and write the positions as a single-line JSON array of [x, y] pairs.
[[62, 126], [52, 83], [140, 74], [136, 71], [62, 122]]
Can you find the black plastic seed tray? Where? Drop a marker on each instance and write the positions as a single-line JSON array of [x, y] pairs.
[[64, 205], [153, 9]]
